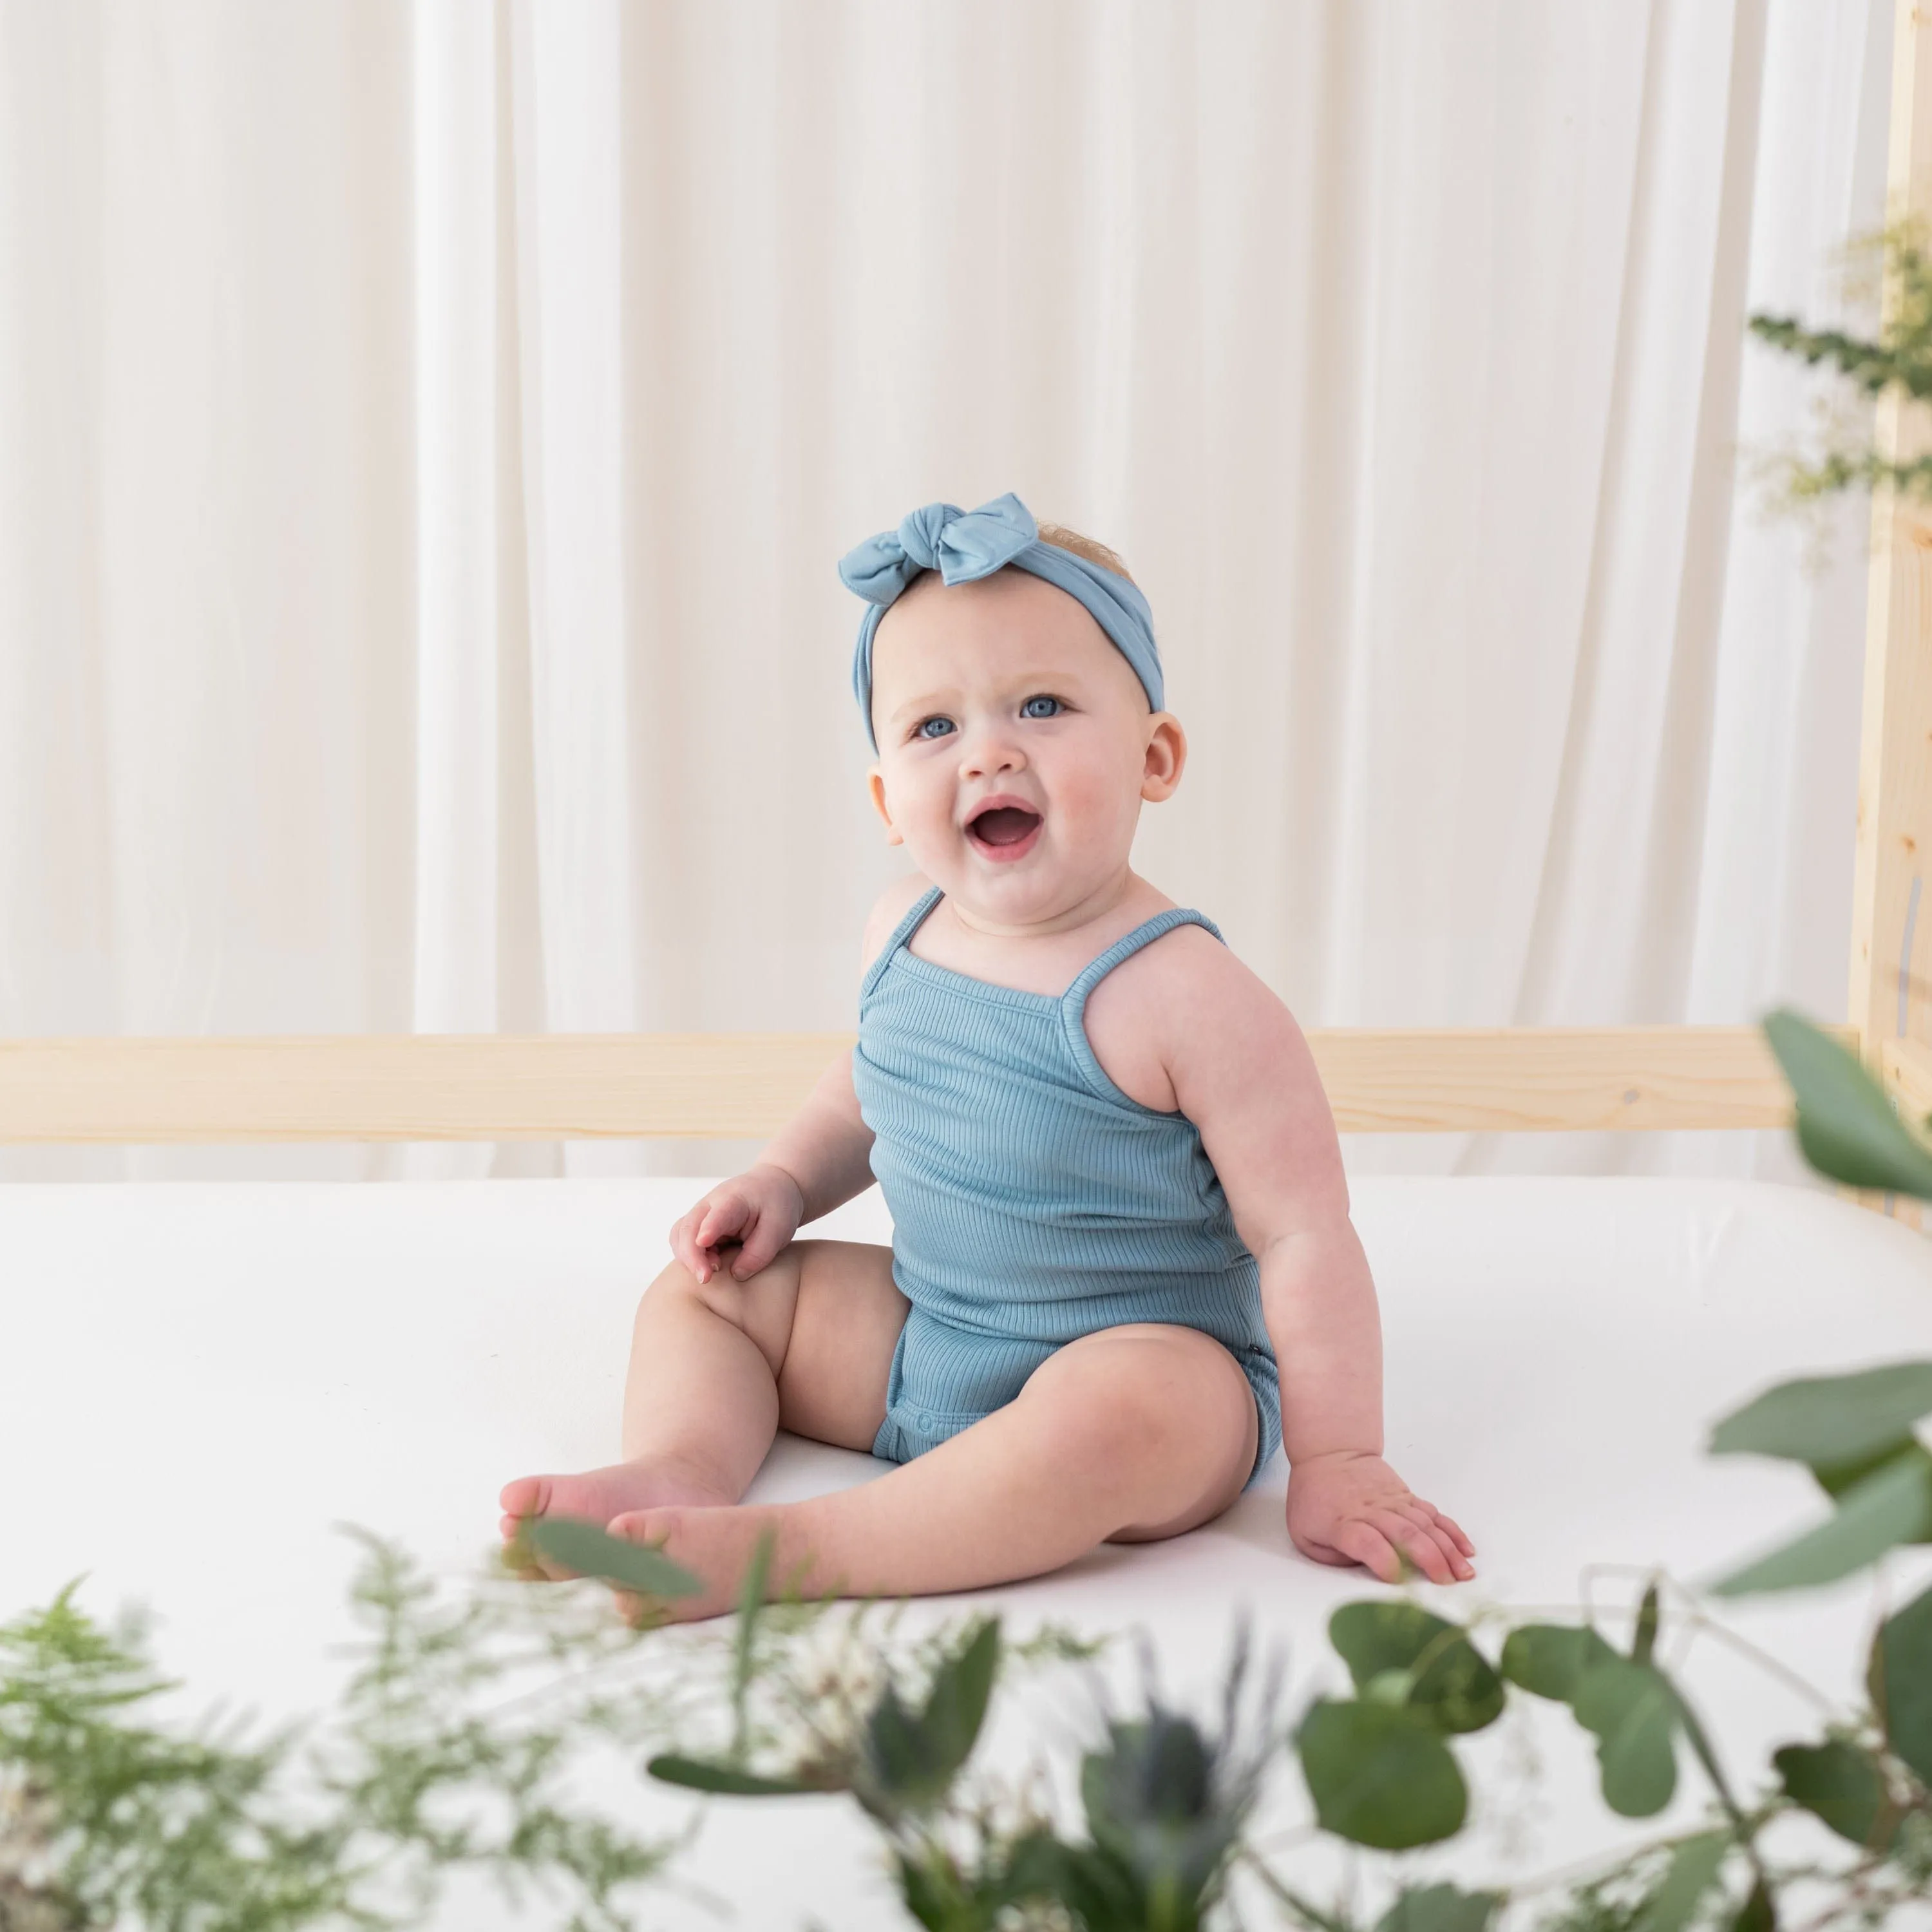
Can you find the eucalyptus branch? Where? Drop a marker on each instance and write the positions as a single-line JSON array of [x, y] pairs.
[[1895, 362]]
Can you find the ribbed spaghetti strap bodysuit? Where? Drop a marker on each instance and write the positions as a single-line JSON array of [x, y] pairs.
[[1033, 1201]]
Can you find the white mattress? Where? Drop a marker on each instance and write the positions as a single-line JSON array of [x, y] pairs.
[[283, 1359]]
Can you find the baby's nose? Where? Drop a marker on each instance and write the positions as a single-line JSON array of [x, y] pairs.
[[984, 752]]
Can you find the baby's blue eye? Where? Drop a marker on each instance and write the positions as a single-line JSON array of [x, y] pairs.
[[1042, 706], [933, 728]]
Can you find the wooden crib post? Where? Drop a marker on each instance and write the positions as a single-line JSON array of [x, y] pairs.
[[1892, 908]]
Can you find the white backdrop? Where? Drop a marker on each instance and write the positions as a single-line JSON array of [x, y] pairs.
[[427, 433]]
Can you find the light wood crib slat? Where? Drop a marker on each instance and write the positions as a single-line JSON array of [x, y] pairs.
[[410, 1087], [1553, 1079], [744, 1086], [1908, 1076]]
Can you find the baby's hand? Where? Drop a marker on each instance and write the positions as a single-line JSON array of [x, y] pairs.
[[760, 1210], [1351, 1508]]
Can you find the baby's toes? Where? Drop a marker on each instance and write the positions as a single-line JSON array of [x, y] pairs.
[[655, 1527], [645, 1526], [528, 1496], [712, 1544]]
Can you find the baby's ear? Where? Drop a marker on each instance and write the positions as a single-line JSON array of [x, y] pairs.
[[875, 784], [1166, 757]]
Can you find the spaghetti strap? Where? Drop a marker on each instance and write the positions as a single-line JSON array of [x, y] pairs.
[[1073, 1001], [1145, 934], [901, 933]]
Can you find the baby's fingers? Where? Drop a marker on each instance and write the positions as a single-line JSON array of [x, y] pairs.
[[684, 1245], [1425, 1546], [761, 1242], [1448, 1536], [717, 1222], [725, 1216], [1358, 1542]]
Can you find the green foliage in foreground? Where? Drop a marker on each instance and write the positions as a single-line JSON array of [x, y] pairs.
[[109, 1817], [464, 1723], [1856, 1433]]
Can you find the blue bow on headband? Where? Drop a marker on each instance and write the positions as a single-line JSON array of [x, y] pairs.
[[965, 545]]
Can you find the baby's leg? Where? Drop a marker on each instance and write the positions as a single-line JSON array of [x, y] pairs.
[[716, 1367], [1132, 1434]]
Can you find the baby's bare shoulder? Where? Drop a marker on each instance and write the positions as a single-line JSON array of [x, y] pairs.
[[1188, 986], [1170, 1024], [892, 905]]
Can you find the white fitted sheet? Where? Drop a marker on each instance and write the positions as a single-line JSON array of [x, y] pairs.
[[288, 1358]]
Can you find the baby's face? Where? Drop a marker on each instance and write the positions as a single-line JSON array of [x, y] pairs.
[[1015, 746]]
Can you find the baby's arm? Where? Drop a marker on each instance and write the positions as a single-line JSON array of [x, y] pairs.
[[821, 1158], [1242, 1073]]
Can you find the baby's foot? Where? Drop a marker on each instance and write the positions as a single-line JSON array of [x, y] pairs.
[[597, 1495], [716, 1545]]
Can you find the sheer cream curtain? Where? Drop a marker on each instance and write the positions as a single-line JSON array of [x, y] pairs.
[[426, 432]]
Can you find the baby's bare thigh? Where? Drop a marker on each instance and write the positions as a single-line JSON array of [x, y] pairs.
[[834, 1354]]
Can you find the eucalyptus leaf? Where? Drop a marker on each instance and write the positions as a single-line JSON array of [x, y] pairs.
[[1547, 1660], [1758, 1913], [1890, 1506], [956, 1707], [1692, 1869], [1380, 1776], [1828, 1421], [914, 1756], [1643, 1640], [697, 1774], [1453, 1687], [1440, 1908], [1847, 1127], [1900, 1682], [1836, 1479], [1632, 1711], [895, 1761], [587, 1551], [1840, 1784], [1388, 1686]]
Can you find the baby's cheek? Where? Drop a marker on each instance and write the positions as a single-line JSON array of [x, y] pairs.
[[1102, 801], [925, 809]]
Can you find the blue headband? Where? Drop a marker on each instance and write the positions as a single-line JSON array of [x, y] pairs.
[[964, 546]]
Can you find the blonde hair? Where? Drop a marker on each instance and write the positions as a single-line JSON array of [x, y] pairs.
[[1061, 538]]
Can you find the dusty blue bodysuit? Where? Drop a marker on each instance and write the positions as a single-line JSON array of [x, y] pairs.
[[1033, 1201]]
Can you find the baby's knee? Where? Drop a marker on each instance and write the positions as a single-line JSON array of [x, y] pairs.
[[724, 1295]]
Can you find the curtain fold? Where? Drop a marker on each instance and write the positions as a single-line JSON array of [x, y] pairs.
[[427, 433], [459, 707]]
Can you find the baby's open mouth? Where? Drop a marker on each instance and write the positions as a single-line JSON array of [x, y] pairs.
[[1003, 831]]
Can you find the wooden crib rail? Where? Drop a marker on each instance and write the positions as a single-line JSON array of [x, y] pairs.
[[1907, 1067], [744, 1086]]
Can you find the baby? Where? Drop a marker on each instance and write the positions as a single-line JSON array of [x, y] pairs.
[[1122, 1272]]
